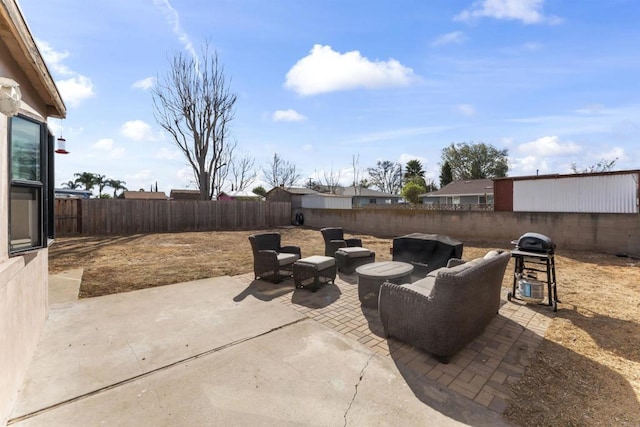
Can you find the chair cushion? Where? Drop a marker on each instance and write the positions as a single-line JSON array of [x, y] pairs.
[[355, 252], [320, 262], [423, 286], [491, 254], [286, 259]]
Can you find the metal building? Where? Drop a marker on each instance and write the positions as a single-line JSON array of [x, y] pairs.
[[600, 192]]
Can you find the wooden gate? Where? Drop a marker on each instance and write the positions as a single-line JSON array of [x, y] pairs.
[[68, 216]]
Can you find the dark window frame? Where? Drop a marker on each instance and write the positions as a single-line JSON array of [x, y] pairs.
[[45, 185]]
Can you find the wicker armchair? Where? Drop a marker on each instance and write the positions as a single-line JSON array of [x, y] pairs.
[[270, 259], [446, 310], [334, 240]]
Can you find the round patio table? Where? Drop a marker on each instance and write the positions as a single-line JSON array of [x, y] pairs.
[[371, 276]]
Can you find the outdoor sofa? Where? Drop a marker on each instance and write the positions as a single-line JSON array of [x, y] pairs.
[[271, 261], [446, 310]]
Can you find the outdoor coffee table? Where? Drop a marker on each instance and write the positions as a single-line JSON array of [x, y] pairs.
[[371, 276]]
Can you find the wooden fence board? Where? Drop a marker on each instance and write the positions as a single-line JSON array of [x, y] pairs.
[[124, 217]]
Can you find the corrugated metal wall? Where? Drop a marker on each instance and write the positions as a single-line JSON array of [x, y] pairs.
[[326, 202], [591, 194]]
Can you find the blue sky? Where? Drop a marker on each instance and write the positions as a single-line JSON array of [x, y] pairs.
[[319, 82]]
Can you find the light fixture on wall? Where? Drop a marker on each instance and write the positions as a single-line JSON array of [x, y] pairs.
[[10, 97], [61, 146]]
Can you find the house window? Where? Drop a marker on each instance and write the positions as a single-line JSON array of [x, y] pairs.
[[30, 172], [373, 201]]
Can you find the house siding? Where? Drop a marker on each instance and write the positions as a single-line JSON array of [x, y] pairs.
[[23, 278]]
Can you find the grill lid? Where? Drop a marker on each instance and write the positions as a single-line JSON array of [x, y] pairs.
[[536, 242]]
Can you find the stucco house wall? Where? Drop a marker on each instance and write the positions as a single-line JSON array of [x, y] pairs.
[[23, 278]]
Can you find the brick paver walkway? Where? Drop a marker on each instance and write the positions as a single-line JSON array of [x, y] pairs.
[[483, 371]]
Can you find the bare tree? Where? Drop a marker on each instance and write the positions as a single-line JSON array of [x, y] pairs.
[[280, 173], [355, 164], [243, 172], [330, 180], [194, 105], [387, 176], [603, 165]]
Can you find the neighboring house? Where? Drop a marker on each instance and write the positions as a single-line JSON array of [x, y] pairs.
[[184, 195], [292, 195], [365, 196], [144, 195], [475, 192], [26, 197], [598, 192], [238, 195], [67, 193]]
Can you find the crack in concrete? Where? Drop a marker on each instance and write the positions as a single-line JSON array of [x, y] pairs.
[[148, 373], [355, 392]]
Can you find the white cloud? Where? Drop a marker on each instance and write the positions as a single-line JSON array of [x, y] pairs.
[[400, 133], [404, 158], [527, 11], [288, 116], [144, 84], [549, 146], [531, 46], [108, 149], [75, 88], [104, 144], [307, 147], [173, 19], [466, 109], [455, 37], [165, 153], [185, 175], [325, 70], [138, 130], [529, 165]]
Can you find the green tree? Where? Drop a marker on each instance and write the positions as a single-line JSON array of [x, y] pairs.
[[71, 185], [386, 176], [413, 172], [476, 161], [116, 185], [446, 176], [260, 191], [101, 182], [87, 179], [413, 169], [411, 192]]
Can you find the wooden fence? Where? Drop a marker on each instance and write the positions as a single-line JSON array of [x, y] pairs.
[[124, 217]]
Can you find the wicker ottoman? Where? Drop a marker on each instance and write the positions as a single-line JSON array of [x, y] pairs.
[[314, 271], [348, 259]]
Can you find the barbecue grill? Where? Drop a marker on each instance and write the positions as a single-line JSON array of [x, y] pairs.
[[535, 242], [534, 254]]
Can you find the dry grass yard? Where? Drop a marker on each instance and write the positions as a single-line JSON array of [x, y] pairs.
[[586, 372]]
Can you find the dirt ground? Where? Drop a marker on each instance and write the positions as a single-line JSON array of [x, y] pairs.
[[586, 372]]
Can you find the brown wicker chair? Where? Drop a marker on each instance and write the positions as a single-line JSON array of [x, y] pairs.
[[334, 240], [446, 310], [270, 259]]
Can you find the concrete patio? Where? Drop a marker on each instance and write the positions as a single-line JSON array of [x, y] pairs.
[[234, 351]]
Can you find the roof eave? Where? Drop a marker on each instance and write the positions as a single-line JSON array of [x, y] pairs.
[[25, 52]]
